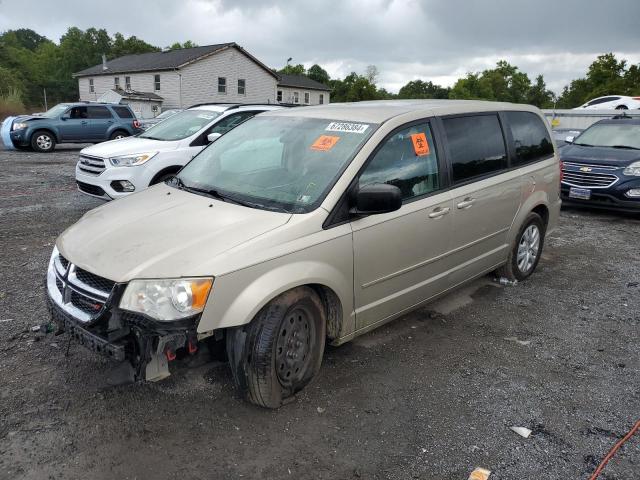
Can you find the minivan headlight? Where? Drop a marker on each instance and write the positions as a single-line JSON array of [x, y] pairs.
[[633, 170], [19, 126], [167, 299], [132, 160]]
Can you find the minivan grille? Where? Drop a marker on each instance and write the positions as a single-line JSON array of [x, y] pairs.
[[579, 175], [91, 165], [84, 291]]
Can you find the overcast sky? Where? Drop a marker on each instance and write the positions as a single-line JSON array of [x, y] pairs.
[[437, 40]]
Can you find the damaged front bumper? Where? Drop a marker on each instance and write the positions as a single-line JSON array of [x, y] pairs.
[[85, 306]]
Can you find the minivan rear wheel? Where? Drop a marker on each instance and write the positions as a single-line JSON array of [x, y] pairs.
[[280, 351], [526, 251]]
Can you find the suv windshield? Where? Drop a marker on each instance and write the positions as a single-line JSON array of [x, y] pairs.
[[280, 163], [622, 135], [56, 111], [181, 125]]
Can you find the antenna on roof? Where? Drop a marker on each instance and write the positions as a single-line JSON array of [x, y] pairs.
[[104, 63]]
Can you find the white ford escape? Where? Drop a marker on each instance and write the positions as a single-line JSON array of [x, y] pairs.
[[307, 226], [117, 168]]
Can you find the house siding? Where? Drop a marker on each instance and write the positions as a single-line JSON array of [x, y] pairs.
[[142, 82], [314, 95], [200, 80]]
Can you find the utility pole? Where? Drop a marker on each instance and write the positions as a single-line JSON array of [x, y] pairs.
[[46, 107]]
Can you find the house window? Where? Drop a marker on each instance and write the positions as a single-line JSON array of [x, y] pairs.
[[279, 96], [91, 89], [156, 82], [116, 82], [127, 83], [222, 85], [306, 98], [321, 101], [241, 86], [296, 97]]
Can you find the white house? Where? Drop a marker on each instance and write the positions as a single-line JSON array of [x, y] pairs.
[[298, 89], [180, 78]]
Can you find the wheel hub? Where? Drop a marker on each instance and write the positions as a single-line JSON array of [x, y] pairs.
[[293, 347], [528, 248]]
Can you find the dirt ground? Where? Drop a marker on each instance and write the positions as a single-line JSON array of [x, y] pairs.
[[430, 396]]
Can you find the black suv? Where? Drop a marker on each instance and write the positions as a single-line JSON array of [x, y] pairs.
[[601, 166], [82, 122]]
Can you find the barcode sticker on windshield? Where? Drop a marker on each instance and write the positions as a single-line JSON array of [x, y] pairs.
[[347, 127]]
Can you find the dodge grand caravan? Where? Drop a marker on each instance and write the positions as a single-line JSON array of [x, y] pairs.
[[307, 226]]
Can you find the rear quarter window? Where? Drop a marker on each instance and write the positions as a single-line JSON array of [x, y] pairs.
[[476, 146], [530, 137], [123, 112]]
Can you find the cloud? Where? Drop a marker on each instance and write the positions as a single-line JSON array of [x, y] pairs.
[[437, 40]]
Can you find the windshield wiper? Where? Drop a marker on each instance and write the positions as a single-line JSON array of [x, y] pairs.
[[628, 147], [582, 144], [153, 138]]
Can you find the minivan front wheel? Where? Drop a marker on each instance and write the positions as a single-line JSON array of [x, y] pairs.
[[280, 351], [43, 141], [526, 251]]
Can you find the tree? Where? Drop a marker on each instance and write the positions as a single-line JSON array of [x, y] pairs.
[[372, 74], [178, 45], [354, 88], [421, 89], [293, 70], [127, 46], [319, 74]]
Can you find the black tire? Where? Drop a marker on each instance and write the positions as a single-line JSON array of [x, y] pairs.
[[118, 134], [280, 351], [162, 178], [512, 269], [622, 107], [43, 141]]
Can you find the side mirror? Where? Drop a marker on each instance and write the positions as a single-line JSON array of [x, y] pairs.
[[64, 117], [212, 137], [377, 198], [570, 139]]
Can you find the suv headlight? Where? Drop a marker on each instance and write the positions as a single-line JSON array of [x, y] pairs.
[[633, 170], [167, 299], [132, 160], [19, 126]]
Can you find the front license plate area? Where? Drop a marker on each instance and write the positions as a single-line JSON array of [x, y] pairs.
[[580, 193]]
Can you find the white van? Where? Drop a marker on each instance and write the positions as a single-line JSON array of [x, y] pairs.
[[117, 168]]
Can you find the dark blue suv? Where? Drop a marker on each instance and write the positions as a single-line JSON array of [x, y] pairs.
[[601, 166], [74, 123]]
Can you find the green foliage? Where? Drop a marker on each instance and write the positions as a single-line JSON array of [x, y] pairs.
[[30, 63], [10, 103], [505, 83], [421, 89], [178, 45], [605, 76], [293, 70], [319, 74]]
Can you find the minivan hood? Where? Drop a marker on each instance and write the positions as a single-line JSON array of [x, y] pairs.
[[616, 157], [128, 145], [161, 232]]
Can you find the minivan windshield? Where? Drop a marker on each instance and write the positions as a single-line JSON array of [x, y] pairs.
[[180, 125], [280, 163], [620, 135], [56, 111]]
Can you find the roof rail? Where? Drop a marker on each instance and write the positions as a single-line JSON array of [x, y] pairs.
[[232, 105]]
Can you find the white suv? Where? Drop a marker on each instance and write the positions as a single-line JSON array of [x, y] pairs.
[[117, 168]]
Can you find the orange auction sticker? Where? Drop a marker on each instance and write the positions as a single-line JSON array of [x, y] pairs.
[[420, 144], [324, 143]]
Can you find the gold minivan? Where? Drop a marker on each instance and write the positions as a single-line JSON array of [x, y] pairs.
[[306, 226]]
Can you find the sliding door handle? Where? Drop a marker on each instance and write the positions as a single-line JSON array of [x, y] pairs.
[[466, 203], [439, 212]]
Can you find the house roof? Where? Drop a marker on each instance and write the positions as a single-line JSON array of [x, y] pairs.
[[167, 60], [300, 81]]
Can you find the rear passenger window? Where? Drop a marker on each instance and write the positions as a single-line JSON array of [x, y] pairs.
[[98, 112], [407, 160], [123, 112], [530, 137], [476, 145]]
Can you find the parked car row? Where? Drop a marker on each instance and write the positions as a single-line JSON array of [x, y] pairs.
[[297, 228]]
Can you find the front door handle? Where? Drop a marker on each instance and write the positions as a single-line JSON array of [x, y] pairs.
[[84, 122], [439, 212], [466, 203]]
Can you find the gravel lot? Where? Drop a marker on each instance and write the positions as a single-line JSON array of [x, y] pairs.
[[430, 396]]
